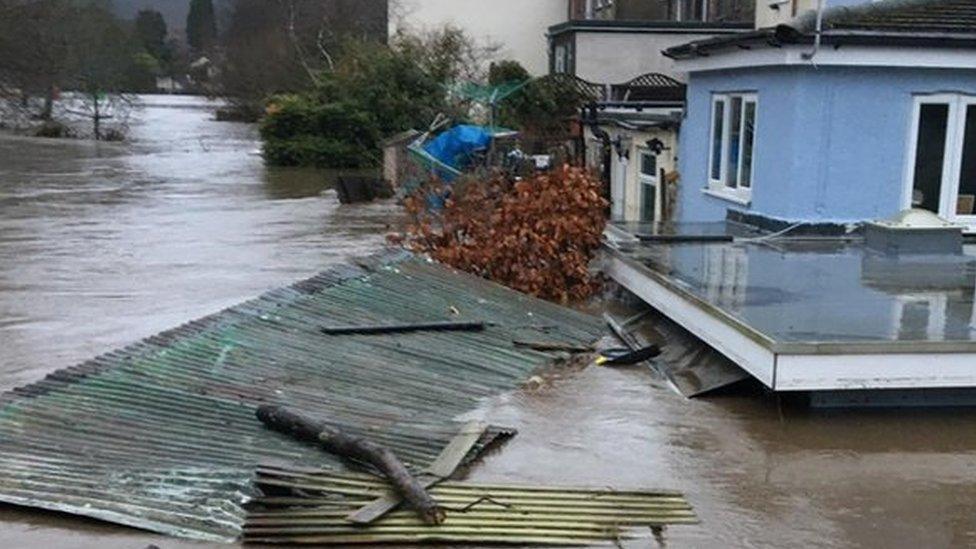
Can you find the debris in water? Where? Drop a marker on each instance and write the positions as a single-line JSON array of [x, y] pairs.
[[311, 508]]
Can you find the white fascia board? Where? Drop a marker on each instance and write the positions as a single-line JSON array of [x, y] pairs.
[[746, 352], [827, 55], [875, 371]]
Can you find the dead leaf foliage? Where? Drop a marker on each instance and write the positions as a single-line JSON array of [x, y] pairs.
[[537, 235]]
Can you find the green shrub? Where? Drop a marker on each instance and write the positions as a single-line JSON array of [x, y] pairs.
[[543, 106], [301, 131], [374, 91]]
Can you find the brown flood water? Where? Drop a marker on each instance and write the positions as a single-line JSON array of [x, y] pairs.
[[102, 245]]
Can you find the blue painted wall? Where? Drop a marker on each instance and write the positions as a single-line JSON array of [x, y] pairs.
[[830, 141]]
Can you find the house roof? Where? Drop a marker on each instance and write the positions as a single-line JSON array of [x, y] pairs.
[[652, 87], [653, 27], [938, 23], [913, 16]]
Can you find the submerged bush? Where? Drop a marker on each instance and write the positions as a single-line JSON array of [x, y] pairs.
[[53, 129], [300, 131], [374, 91]]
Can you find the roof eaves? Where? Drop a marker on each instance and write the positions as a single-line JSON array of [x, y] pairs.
[[900, 39], [768, 36], [634, 26]]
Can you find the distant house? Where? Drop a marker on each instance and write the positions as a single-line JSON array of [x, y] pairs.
[[873, 116], [516, 27], [614, 41], [632, 136]]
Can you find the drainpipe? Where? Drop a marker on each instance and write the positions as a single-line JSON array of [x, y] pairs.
[[590, 120], [821, 5]]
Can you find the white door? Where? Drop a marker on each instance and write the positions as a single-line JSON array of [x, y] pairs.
[[942, 157], [650, 191]]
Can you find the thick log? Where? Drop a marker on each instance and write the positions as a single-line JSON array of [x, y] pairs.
[[356, 448]]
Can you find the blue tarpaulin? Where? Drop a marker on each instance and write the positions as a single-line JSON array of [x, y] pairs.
[[457, 146]]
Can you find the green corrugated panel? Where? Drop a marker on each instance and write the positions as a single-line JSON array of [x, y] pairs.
[[162, 435]]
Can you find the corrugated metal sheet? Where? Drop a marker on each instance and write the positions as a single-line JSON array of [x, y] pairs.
[[162, 435], [307, 508]]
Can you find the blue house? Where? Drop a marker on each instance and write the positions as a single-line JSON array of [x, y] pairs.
[[873, 113]]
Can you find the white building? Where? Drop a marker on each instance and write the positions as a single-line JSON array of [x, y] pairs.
[[518, 27]]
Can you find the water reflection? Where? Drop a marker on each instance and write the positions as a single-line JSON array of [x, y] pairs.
[[815, 291]]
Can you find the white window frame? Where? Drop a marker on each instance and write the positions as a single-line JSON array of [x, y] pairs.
[[560, 55], [645, 180], [724, 187], [958, 104]]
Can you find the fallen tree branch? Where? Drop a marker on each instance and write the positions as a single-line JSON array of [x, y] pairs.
[[405, 328], [352, 447], [549, 346]]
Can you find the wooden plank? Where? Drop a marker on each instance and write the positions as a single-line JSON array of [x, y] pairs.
[[453, 454], [443, 467]]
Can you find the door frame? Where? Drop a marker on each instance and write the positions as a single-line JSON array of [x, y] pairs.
[[643, 180], [952, 161]]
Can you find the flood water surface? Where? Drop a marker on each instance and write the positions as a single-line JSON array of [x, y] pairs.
[[101, 245]]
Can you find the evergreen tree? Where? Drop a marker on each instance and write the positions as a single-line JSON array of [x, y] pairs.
[[201, 25], [151, 33]]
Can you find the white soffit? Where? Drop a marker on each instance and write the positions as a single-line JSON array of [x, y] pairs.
[[827, 55]]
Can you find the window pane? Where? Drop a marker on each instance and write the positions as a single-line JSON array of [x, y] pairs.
[[748, 137], [933, 120], [735, 133], [967, 175], [647, 202], [648, 165], [718, 130]]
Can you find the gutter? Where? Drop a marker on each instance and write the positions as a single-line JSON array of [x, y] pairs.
[[769, 36], [649, 27]]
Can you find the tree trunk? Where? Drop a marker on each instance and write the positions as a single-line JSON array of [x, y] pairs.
[[48, 111], [97, 120], [344, 445]]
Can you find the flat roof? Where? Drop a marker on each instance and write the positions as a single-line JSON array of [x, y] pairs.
[[759, 299]]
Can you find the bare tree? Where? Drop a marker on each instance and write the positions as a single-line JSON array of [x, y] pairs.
[[50, 45]]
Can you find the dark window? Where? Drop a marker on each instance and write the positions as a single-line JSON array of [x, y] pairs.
[[933, 122], [967, 174], [718, 133]]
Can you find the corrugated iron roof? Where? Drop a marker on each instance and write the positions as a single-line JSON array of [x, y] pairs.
[[310, 508], [161, 435]]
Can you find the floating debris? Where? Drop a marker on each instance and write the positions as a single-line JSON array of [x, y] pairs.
[[161, 435], [307, 508]]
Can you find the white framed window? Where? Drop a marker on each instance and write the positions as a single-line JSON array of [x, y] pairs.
[[561, 61], [731, 145], [941, 171], [650, 198]]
